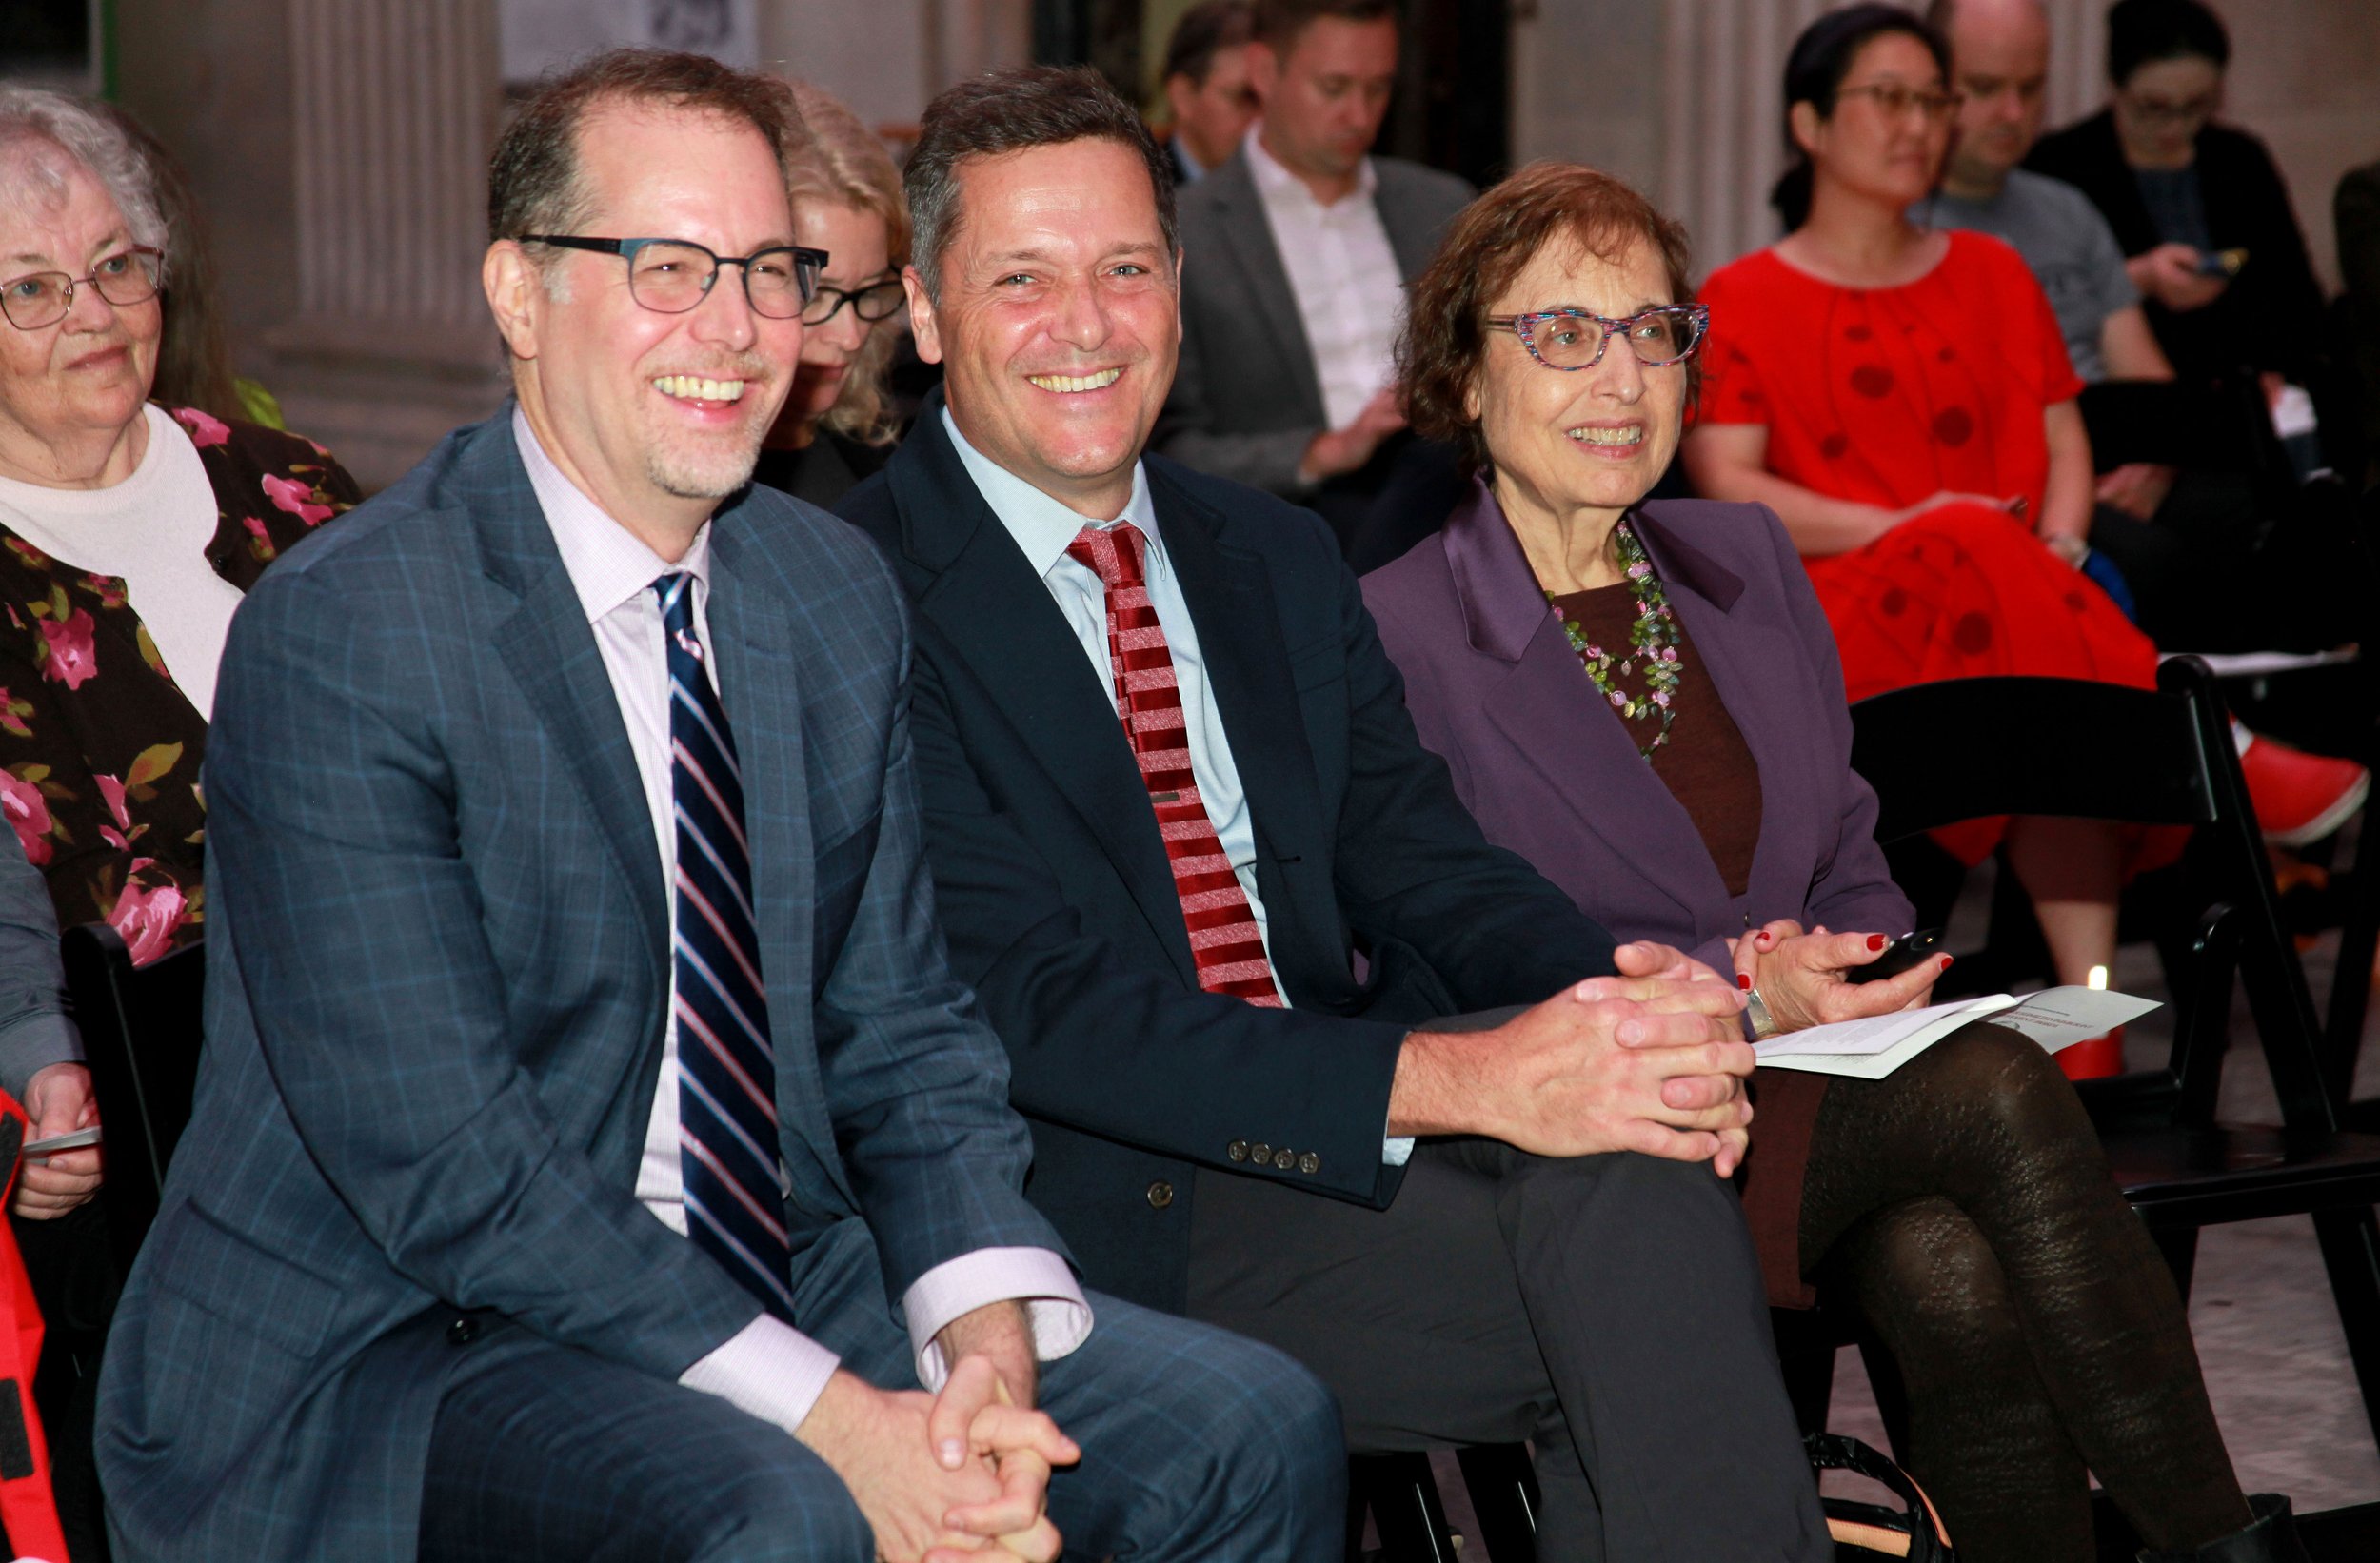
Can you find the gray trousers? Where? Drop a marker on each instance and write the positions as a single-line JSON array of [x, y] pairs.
[[1608, 1308]]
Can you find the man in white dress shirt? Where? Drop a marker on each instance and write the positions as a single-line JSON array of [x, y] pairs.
[[594, 1156], [1299, 248]]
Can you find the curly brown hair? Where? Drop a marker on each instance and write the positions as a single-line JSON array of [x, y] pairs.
[[1445, 336]]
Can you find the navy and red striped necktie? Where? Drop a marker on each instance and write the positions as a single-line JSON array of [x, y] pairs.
[[727, 1123]]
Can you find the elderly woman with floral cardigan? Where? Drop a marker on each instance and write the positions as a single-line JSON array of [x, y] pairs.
[[128, 534]]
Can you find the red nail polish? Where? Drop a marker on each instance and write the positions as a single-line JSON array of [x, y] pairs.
[[1875, 942], [1744, 982], [1946, 962]]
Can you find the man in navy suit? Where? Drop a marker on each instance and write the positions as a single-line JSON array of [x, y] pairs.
[[1168, 777], [593, 1152]]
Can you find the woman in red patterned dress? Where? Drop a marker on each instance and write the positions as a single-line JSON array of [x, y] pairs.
[[1903, 400]]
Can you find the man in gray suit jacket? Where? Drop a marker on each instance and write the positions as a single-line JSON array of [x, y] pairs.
[[593, 1152], [1297, 251]]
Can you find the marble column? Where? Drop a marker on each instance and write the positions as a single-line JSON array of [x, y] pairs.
[[389, 345]]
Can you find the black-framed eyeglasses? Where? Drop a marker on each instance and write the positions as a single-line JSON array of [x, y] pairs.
[[879, 300], [671, 276], [1897, 98], [42, 298], [1571, 339], [2160, 111]]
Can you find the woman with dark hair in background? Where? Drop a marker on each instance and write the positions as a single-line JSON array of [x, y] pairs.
[[838, 424], [1901, 398], [2200, 210]]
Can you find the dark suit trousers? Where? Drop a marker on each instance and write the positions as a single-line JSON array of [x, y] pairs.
[[1196, 1446], [1609, 1308]]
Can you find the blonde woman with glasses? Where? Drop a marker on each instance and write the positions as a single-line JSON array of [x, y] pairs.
[[837, 425]]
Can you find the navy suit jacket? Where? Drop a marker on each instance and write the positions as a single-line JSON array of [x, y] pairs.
[[1059, 903], [1552, 773], [438, 968]]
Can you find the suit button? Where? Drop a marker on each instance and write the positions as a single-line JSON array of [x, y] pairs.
[[1237, 1150], [1309, 1163], [1260, 1153], [1160, 1195], [463, 1332], [1284, 1158]]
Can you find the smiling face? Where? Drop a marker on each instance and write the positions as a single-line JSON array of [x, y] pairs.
[[1059, 320], [856, 242], [1325, 98], [2000, 51], [77, 382], [1592, 441], [656, 416], [1866, 148]]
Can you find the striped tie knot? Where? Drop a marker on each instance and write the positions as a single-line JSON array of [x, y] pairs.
[[1112, 553]]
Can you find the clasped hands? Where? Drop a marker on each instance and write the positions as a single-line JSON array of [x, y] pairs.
[[957, 1475], [1652, 1059]]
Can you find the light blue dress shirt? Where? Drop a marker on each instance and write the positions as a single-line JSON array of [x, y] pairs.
[[1042, 528]]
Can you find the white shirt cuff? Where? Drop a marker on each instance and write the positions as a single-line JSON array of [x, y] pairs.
[[769, 1370], [1396, 1150], [1060, 1318]]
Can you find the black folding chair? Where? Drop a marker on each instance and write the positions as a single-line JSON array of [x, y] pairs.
[[1399, 1492], [141, 1028], [1967, 748]]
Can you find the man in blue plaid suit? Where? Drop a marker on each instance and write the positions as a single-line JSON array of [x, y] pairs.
[[593, 1153]]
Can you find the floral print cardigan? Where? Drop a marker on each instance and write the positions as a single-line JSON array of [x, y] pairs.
[[99, 751]]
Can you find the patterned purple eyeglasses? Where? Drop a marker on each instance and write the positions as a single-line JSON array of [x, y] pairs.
[[1571, 339]]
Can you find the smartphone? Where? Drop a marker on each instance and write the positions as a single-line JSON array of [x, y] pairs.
[[73, 1140], [1899, 955], [2221, 262]]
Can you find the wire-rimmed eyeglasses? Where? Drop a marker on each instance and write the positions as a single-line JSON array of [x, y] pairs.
[[671, 276], [42, 298], [1571, 339]]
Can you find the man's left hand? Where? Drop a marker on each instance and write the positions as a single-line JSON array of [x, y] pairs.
[[983, 1412], [58, 1100]]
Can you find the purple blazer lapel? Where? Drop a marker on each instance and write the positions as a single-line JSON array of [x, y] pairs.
[[1553, 717]]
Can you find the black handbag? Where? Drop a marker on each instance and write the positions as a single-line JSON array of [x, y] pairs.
[[1865, 1531]]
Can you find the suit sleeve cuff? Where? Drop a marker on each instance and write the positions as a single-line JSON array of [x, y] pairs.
[[32, 1046], [1035, 1276], [769, 1370]]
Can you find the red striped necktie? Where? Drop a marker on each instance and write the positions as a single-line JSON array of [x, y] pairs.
[[1223, 937]]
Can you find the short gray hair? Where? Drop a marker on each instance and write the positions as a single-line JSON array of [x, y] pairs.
[[45, 134], [1009, 112]]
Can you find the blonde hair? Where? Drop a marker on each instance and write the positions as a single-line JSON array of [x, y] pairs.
[[841, 162]]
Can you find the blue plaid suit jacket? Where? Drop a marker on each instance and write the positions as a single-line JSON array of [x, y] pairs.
[[438, 972]]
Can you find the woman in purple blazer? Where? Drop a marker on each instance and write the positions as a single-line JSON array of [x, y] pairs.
[[1644, 701]]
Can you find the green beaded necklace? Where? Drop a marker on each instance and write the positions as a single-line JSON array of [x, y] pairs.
[[1654, 634]]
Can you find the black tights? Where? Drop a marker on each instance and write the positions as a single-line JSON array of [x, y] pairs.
[[1962, 1204]]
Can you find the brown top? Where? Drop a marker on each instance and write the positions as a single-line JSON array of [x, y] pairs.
[[1705, 765]]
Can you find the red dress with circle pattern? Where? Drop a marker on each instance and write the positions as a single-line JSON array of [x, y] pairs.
[[1888, 396]]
